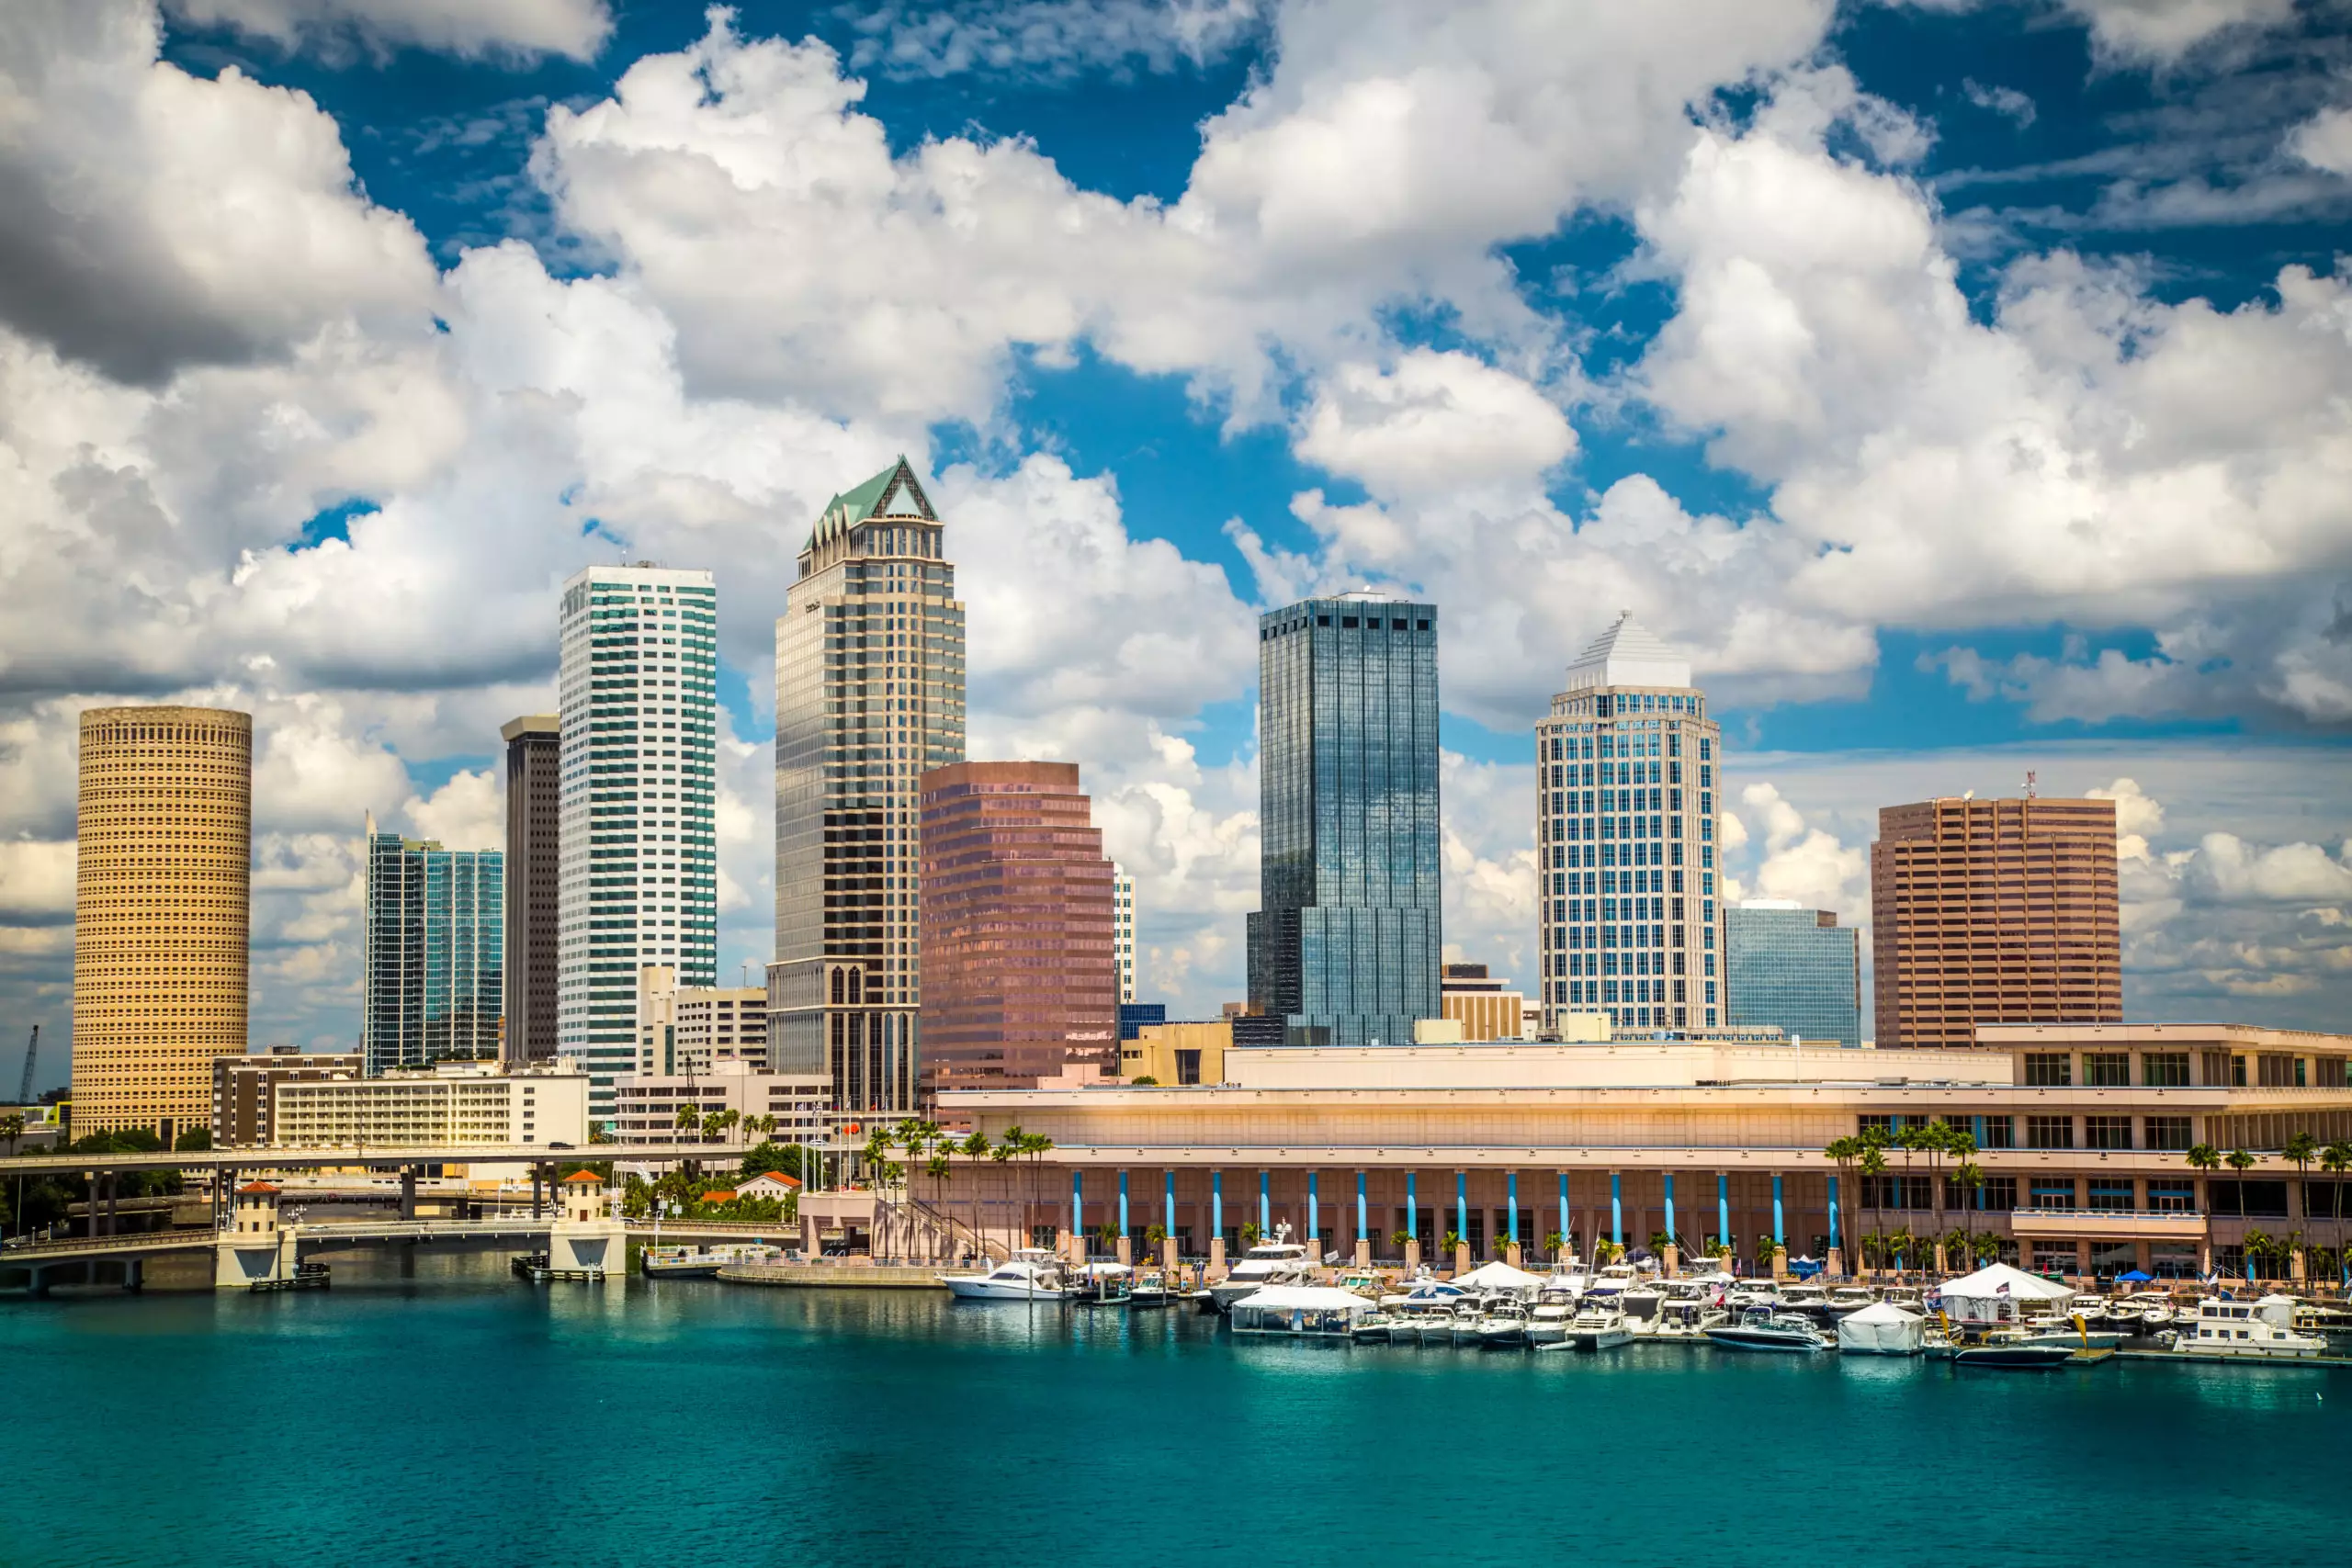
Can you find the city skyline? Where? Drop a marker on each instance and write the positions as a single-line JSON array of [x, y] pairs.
[[1508, 398]]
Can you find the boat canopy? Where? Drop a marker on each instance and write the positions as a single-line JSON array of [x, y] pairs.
[[1498, 1277], [1881, 1328], [1302, 1298], [1980, 1295]]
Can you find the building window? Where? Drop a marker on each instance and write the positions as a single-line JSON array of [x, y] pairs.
[[2046, 1069], [2049, 1194], [1997, 1133], [2172, 1195], [2050, 1132], [2107, 1132], [2168, 1132], [2000, 1192], [2164, 1069], [2111, 1197], [2106, 1069]]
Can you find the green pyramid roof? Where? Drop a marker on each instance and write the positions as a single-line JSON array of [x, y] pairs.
[[893, 492]]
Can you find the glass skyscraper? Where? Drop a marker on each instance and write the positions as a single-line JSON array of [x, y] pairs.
[[435, 941], [1794, 968], [1344, 948], [869, 694], [637, 875], [1626, 839]]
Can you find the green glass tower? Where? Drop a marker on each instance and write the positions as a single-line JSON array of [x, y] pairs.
[[434, 938]]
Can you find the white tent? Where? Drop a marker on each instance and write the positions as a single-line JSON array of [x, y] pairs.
[[1500, 1277], [1991, 1294], [1879, 1329], [1297, 1309]]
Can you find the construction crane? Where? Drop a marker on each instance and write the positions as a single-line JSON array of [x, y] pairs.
[[25, 1084]]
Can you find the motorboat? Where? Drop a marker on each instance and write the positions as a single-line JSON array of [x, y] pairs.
[[1149, 1289], [1684, 1321], [1427, 1295], [1614, 1280], [2091, 1309], [1598, 1324], [1504, 1327], [1279, 1262], [1103, 1284], [2259, 1331], [1903, 1298], [1844, 1299], [1547, 1325], [1642, 1305], [1751, 1294], [1376, 1327], [1465, 1323], [2078, 1334], [2013, 1353], [2146, 1311], [1761, 1329], [1032, 1274], [1803, 1296]]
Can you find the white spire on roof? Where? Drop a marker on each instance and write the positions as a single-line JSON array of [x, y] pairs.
[[1628, 654]]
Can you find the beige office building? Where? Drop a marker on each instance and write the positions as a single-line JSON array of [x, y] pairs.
[[646, 1105], [448, 1104], [1484, 1005], [1992, 912], [162, 911], [689, 1028]]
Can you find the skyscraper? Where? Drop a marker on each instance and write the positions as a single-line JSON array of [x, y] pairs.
[[1994, 911], [1793, 969], [1344, 946], [1626, 839], [1020, 975], [869, 693], [1123, 890], [534, 883], [161, 912], [433, 942], [639, 883]]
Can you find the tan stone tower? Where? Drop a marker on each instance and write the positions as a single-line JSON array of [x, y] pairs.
[[162, 911]]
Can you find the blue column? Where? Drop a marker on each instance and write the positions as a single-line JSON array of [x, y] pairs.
[[1670, 1205], [1122, 1202], [1780, 1230], [1514, 1208], [1168, 1205], [1216, 1204], [1313, 1211], [1833, 1210], [1265, 1206], [1617, 1207], [1077, 1199], [1723, 1206], [1567, 1236], [1462, 1204], [1412, 1205], [1363, 1231]]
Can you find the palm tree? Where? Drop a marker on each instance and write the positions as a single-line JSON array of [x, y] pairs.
[[1554, 1243], [1871, 1165], [2336, 1159], [689, 1116], [1844, 1152], [12, 1127], [1036, 1145], [939, 1167], [2240, 1162], [976, 1149], [1969, 1177], [1001, 1151]]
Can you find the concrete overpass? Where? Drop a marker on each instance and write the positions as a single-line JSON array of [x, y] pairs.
[[382, 1156]]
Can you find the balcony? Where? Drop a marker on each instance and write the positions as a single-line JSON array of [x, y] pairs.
[[2169, 1224]]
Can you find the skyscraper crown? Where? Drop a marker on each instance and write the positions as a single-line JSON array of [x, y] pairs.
[[1628, 654]]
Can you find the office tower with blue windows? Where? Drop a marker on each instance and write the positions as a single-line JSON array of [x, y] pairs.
[[433, 944], [1344, 948], [1796, 969], [638, 862], [1625, 782]]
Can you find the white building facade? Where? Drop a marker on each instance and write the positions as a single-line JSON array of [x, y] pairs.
[[639, 863], [448, 1104], [686, 1029], [1123, 916], [646, 1105], [1627, 766]]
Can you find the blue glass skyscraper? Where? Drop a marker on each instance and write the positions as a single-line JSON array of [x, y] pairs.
[[1345, 945], [1795, 968], [436, 939]]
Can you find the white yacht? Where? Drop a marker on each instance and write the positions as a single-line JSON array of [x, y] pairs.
[[1761, 1329], [2146, 1309], [1033, 1274], [1685, 1321], [1809, 1299], [2091, 1309], [1642, 1305], [2263, 1331], [1504, 1327], [1279, 1262], [1849, 1298], [1598, 1324], [1548, 1324], [1751, 1293]]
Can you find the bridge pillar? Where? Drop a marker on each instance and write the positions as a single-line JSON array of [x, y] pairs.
[[408, 1192], [135, 1275], [114, 1191], [93, 1176]]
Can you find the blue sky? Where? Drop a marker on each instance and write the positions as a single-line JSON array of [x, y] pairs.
[[1963, 385]]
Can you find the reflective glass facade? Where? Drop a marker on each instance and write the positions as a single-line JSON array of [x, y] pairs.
[[1796, 969], [435, 953], [1345, 945]]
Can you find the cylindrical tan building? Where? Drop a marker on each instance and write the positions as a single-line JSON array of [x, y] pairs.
[[162, 902]]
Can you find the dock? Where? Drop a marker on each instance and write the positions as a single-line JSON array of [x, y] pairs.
[[306, 1277], [833, 1276]]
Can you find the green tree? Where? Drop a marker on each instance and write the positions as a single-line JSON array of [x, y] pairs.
[[2336, 1159], [1146, 1081], [1402, 1238], [1556, 1246], [975, 1148], [12, 1127], [1871, 1166], [194, 1141], [782, 1158], [1844, 1153], [1250, 1234], [2240, 1162]]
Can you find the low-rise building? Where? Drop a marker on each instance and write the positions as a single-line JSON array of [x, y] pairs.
[[448, 1104], [689, 1028], [772, 1184], [646, 1106], [1484, 1005], [2081, 1136], [1179, 1054], [243, 1089]]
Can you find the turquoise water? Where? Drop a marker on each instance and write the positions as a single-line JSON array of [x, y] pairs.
[[460, 1417]]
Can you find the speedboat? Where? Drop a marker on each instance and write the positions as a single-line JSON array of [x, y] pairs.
[[2077, 1334], [1504, 1327], [1598, 1324], [1105, 1284], [1751, 1294], [1809, 1299], [1906, 1297], [2146, 1309], [1032, 1274], [1149, 1289], [2258, 1331], [1685, 1321], [1271, 1263], [1548, 1324], [2013, 1353], [1849, 1298], [2091, 1309], [1760, 1329], [1641, 1306], [1374, 1327]]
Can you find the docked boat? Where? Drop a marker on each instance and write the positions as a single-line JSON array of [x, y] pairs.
[[1149, 1289], [1548, 1323], [2256, 1331], [1849, 1298], [2013, 1353], [1751, 1295], [1642, 1305], [1884, 1330], [1270, 1263], [2091, 1309], [1504, 1325], [2146, 1311], [1378, 1326], [1685, 1321], [1761, 1329], [1103, 1284], [1809, 1299], [1299, 1311], [2077, 1334], [703, 1262], [1598, 1324], [1032, 1274]]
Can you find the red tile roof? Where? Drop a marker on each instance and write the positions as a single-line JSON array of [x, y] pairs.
[[581, 1176], [257, 1187]]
